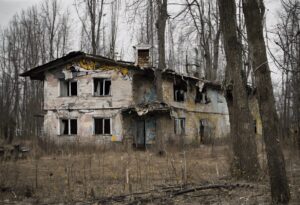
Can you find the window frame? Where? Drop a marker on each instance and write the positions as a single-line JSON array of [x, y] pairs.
[[105, 79], [68, 87], [69, 126], [103, 125], [176, 89], [178, 121]]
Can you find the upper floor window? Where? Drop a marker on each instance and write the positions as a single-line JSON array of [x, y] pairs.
[[68, 126], [180, 90], [102, 126], [201, 97], [102, 86], [68, 88]]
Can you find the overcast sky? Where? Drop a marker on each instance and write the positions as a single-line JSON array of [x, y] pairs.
[[10, 7]]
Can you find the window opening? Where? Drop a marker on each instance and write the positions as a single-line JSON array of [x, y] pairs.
[[102, 126], [102, 86], [68, 127], [180, 126]]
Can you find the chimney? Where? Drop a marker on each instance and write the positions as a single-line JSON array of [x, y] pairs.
[[142, 55]]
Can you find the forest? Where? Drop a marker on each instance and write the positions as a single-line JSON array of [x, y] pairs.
[[226, 42]]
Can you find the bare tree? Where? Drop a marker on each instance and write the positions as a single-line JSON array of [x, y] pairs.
[[205, 18], [288, 41], [254, 14], [91, 28], [50, 19], [24, 45], [245, 162]]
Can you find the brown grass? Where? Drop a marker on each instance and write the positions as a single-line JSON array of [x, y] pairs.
[[72, 173]]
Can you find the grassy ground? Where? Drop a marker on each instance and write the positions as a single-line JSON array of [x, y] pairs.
[[90, 176]]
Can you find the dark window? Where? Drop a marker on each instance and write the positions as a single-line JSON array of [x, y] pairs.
[[65, 127], [73, 88], [99, 126], [102, 126], [179, 126], [255, 127], [180, 90], [68, 127], [68, 88], [102, 86], [201, 97], [73, 127]]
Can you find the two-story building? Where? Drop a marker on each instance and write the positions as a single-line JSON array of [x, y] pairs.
[[90, 98]]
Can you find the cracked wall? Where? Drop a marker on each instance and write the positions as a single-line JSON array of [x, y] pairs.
[[85, 107]]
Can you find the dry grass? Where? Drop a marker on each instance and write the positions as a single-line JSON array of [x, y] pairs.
[[71, 173], [73, 177]]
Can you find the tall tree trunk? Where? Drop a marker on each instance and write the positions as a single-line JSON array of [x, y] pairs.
[[254, 24], [161, 27], [245, 162]]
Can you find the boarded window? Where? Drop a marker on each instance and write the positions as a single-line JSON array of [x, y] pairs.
[[68, 126], [68, 88], [179, 126], [102, 86], [102, 126]]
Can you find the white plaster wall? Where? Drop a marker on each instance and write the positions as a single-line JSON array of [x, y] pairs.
[[121, 92], [85, 125], [84, 107]]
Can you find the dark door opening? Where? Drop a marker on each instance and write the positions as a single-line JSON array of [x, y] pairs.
[[140, 141]]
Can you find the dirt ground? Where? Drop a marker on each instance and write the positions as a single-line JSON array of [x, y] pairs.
[[136, 177]]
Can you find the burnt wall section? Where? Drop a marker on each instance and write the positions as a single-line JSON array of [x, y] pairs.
[[142, 129], [144, 88]]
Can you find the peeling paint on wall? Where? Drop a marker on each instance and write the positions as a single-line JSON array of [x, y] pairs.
[[128, 88]]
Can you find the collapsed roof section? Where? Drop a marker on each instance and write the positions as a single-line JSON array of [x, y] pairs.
[[147, 108]]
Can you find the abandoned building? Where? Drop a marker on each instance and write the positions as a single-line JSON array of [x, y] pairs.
[[91, 98]]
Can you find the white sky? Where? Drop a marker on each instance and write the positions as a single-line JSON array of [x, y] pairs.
[[124, 40], [9, 7]]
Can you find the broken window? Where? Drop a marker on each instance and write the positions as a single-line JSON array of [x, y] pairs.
[[68, 126], [179, 126], [201, 97], [102, 86], [180, 89], [68, 88], [102, 126]]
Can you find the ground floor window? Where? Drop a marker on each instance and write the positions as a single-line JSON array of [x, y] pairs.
[[68, 126], [102, 126], [179, 126], [255, 126]]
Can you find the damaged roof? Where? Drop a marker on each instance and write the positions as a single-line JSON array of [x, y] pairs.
[[145, 108], [38, 72]]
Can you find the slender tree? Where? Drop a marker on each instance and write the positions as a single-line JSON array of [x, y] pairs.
[[91, 22]]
